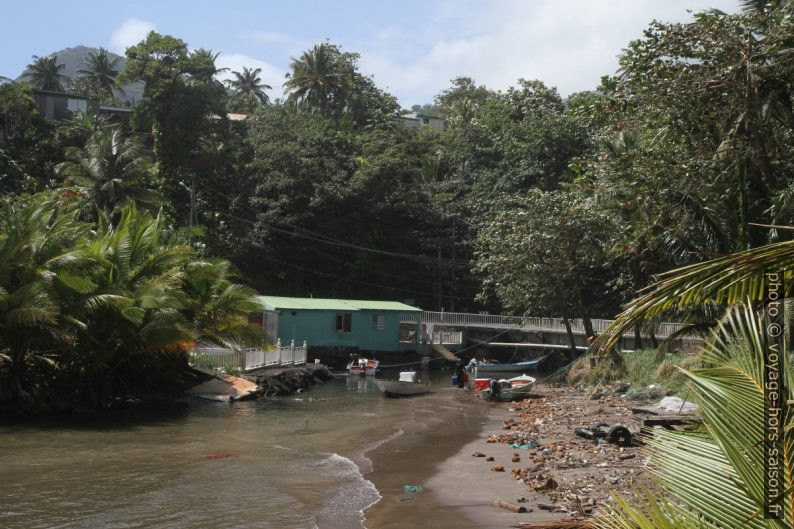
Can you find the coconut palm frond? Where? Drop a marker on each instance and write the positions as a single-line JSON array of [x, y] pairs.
[[725, 281], [715, 478]]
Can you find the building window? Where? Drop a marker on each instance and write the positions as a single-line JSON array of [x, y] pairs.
[[77, 105], [378, 322], [343, 322]]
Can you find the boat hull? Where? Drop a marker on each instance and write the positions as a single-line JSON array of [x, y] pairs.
[[519, 388], [393, 388], [496, 370], [363, 367]]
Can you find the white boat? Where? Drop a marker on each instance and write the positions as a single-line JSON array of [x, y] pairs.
[[408, 384], [362, 366], [506, 390]]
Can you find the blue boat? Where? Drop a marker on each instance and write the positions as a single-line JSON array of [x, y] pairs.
[[498, 370]]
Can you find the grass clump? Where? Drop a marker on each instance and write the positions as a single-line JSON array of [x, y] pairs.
[[641, 369]]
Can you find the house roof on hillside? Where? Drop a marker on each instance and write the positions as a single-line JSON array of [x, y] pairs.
[[279, 302]]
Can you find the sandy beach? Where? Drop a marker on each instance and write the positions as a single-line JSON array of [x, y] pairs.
[[563, 477]]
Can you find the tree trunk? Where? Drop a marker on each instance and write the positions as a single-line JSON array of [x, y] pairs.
[[571, 339], [637, 337], [654, 341]]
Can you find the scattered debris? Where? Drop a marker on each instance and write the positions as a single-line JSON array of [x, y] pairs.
[[567, 474]]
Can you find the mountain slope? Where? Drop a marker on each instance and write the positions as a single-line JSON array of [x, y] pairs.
[[74, 59]]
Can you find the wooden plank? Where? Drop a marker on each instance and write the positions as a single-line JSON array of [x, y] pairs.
[[669, 420], [646, 409]]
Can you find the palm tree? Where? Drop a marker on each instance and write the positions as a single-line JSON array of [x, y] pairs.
[[723, 282], [44, 73], [39, 238], [248, 90], [109, 171], [219, 308], [715, 478], [204, 69], [320, 80], [101, 71]]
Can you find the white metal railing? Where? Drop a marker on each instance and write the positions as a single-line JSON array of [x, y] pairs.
[[448, 338], [529, 323], [248, 359]]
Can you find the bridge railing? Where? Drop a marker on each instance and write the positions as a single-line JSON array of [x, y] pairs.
[[529, 322]]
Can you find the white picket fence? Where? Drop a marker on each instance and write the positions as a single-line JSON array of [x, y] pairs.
[[247, 359]]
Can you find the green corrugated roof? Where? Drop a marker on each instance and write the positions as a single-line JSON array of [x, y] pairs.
[[279, 302]]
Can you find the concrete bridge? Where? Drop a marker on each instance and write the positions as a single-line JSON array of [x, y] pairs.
[[454, 330]]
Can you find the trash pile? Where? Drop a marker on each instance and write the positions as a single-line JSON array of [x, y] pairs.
[[572, 451]]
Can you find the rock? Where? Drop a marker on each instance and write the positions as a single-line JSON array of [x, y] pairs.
[[547, 484], [620, 387], [674, 404], [516, 458], [478, 454], [624, 457], [489, 458], [498, 468]]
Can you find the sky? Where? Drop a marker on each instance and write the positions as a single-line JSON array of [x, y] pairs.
[[413, 48]]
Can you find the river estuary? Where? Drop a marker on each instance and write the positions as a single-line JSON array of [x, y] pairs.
[[287, 462]]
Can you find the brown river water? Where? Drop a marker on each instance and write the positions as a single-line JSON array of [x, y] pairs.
[[287, 462]]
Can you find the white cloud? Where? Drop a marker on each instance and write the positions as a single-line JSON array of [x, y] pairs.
[[270, 75], [131, 32], [568, 44]]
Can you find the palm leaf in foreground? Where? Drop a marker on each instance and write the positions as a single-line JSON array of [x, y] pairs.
[[725, 281], [715, 478]]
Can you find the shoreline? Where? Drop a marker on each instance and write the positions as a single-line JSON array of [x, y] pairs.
[[455, 492], [459, 490]]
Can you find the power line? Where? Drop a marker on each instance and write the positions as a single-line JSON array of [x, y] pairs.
[[326, 274], [318, 237]]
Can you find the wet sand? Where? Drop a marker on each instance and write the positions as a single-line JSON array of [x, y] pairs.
[[458, 490]]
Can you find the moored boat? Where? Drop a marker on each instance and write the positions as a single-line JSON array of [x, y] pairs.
[[512, 389], [497, 370], [408, 384], [363, 366]]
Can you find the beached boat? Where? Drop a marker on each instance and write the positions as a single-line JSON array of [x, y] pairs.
[[362, 366], [500, 370], [512, 389], [408, 384]]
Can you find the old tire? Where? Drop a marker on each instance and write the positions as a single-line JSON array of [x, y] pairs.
[[619, 435]]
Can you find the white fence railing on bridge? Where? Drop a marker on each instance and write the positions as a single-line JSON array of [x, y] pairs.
[[528, 323], [447, 338], [248, 359]]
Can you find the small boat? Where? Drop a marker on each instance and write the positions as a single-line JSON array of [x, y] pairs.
[[512, 389], [408, 384], [495, 370], [362, 366]]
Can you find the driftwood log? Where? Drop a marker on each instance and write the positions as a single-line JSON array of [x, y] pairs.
[[510, 506]]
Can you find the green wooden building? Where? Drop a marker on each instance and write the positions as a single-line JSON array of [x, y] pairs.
[[342, 323]]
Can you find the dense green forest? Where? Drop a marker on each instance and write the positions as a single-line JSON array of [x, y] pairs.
[[525, 202]]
